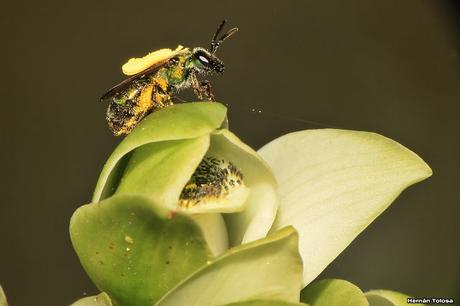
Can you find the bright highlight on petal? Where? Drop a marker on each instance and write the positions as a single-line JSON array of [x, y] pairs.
[[334, 183], [136, 65]]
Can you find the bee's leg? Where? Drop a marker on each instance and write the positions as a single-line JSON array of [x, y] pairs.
[[207, 90], [160, 98], [196, 87], [202, 89]]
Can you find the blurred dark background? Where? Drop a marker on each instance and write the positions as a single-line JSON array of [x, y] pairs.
[[387, 66]]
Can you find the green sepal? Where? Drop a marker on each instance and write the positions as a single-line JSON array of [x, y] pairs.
[[333, 292], [134, 249]]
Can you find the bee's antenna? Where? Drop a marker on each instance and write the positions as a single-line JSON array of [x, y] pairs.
[[216, 42], [219, 29]]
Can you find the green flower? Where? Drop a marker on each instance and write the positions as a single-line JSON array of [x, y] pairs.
[[159, 158], [184, 213]]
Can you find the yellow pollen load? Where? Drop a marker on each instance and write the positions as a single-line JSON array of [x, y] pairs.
[[145, 101], [162, 83], [142, 107], [139, 64], [128, 126], [177, 73]]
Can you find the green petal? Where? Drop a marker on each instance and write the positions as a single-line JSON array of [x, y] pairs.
[[180, 121], [333, 292], [334, 183], [101, 299], [386, 298], [265, 303], [161, 169], [214, 231], [134, 250], [269, 268], [3, 301], [255, 221]]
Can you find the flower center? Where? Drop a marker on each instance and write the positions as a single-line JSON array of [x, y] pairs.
[[215, 180]]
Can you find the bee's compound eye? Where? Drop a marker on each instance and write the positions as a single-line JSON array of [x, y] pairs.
[[203, 59]]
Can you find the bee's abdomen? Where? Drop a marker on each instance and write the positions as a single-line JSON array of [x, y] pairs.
[[119, 116], [124, 112], [129, 107]]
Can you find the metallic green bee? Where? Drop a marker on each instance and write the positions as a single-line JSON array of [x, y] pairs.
[[156, 77]]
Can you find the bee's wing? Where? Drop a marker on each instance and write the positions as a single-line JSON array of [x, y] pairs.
[[125, 83]]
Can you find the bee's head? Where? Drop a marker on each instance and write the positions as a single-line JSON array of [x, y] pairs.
[[205, 61], [215, 43]]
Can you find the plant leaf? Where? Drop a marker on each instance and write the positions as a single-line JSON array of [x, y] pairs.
[[134, 250], [265, 303], [256, 219], [333, 292], [3, 301], [387, 298], [101, 299], [269, 268], [334, 183], [180, 121]]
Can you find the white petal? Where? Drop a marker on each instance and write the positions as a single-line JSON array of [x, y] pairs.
[[255, 221], [334, 183]]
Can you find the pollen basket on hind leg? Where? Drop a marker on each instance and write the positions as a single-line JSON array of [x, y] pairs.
[[125, 111]]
